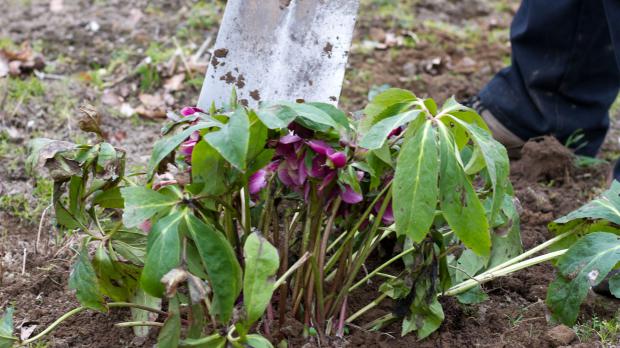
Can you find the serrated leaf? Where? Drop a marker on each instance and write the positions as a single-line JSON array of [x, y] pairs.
[[232, 140], [6, 329], [459, 203], [415, 189], [142, 203], [164, 146], [261, 265], [584, 265], [163, 253], [170, 333], [378, 133], [258, 341], [83, 280], [221, 264]]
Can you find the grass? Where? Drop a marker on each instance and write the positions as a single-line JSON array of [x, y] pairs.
[[605, 331]]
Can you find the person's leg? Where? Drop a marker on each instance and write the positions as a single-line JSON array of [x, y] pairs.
[[564, 75]]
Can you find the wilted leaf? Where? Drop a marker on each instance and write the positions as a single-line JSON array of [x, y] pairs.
[[173, 279], [424, 319]]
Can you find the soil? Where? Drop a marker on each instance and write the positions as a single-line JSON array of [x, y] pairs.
[[436, 48]]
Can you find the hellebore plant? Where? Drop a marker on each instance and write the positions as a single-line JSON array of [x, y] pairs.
[[246, 219]]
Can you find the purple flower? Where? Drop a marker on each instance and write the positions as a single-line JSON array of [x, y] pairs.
[[349, 195], [257, 181], [190, 110], [187, 146], [145, 226], [388, 214], [338, 159], [395, 132]]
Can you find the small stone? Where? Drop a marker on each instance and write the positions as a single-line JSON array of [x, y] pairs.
[[561, 335]]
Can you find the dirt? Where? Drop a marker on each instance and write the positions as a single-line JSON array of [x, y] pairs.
[[436, 48]]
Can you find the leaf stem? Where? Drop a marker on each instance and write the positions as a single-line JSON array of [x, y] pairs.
[[139, 323], [380, 268], [366, 308], [53, 325], [290, 271]]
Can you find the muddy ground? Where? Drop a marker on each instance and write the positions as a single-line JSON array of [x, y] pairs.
[[123, 57]]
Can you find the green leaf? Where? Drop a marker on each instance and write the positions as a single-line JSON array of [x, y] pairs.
[[258, 341], [605, 207], [113, 283], [170, 333], [378, 133], [276, 116], [258, 136], [415, 184], [506, 241], [221, 264], [496, 159], [614, 285], [386, 99], [336, 114], [474, 295], [311, 113], [142, 298], [459, 203], [424, 319], [209, 168], [164, 146], [261, 264], [163, 253], [468, 265], [142, 203], [83, 280], [110, 198], [232, 140], [6, 329], [584, 265]]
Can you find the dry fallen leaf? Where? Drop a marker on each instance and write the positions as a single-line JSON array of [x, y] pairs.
[[153, 114], [56, 6], [152, 101], [174, 83], [26, 331], [111, 98]]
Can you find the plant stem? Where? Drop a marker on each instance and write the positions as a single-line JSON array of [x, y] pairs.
[[495, 273], [532, 251], [139, 323], [290, 271], [366, 308], [380, 268], [53, 325], [138, 306]]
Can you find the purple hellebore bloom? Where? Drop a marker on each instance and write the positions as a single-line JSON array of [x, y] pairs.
[[388, 214], [190, 110], [338, 159], [187, 146], [349, 195], [163, 180], [145, 226], [257, 181], [395, 132]]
